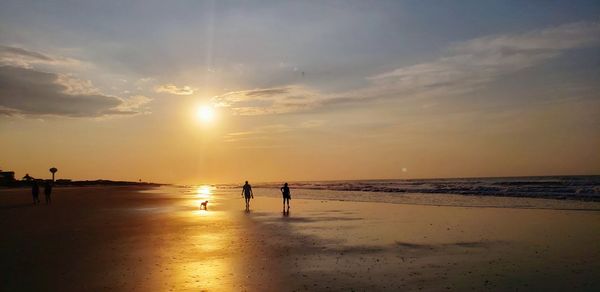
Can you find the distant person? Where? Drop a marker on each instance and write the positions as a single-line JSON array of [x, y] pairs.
[[247, 194], [48, 192], [285, 192], [35, 192]]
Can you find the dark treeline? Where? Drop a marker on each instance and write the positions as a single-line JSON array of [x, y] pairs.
[[99, 182]]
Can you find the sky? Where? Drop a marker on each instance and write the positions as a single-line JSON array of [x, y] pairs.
[[299, 90]]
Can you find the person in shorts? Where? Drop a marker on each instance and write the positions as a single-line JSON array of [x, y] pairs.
[[247, 194], [285, 192]]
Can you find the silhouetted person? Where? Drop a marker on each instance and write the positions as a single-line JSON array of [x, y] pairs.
[[247, 194], [285, 192], [48, 192], [35, 192]]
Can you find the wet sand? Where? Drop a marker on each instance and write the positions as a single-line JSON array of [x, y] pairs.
[[128, 238]]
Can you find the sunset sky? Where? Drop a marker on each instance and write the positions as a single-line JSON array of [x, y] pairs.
[[223, 91]]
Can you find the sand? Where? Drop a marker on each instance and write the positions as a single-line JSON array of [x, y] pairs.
[[137, 239]]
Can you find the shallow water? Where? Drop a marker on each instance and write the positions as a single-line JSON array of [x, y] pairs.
[[435, 199], [559, 187]]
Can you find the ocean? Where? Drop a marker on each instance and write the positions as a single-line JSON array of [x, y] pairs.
[[562, 192]]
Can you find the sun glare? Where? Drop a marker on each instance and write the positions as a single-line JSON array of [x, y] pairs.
[[205, 114], [204, 191]]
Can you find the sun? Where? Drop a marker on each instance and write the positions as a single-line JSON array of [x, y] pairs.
[[205, 113]]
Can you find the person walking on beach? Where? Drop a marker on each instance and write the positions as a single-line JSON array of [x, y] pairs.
[[285, 192], [247, 194], [35, 192], [48, 192]]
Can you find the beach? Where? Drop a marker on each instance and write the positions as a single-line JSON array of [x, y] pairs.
[[159, 239]]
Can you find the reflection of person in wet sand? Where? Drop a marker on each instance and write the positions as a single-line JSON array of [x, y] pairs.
[[35, 192], [48, 192], [285, 192], [247, 194]]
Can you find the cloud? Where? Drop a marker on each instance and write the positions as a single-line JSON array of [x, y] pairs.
[[25, 91], [134, 104], [260, 133], [272, 136], [74, 86], [563, 37], [270, 132], [465, 67], [268, 101], [267, 92], [20, 57], [7, 51], [471, 64], [7, 111], [174, 89]]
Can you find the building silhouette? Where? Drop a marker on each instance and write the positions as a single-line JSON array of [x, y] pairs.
[[7, 178]]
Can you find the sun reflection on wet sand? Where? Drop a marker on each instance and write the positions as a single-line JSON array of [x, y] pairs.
[[204, 191], [193, 249], [201, 212], [203, 194], [207, 263]]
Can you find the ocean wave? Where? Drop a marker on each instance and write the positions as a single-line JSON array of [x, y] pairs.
[[584, 188]]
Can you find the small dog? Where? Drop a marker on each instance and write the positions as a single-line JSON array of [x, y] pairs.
[[203, 205]]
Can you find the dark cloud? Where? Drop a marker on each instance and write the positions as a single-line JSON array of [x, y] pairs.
[[267, 100], [15, 51], [267, 92], [31, 92]]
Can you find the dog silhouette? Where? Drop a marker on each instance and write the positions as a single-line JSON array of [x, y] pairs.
[[203, 205]]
